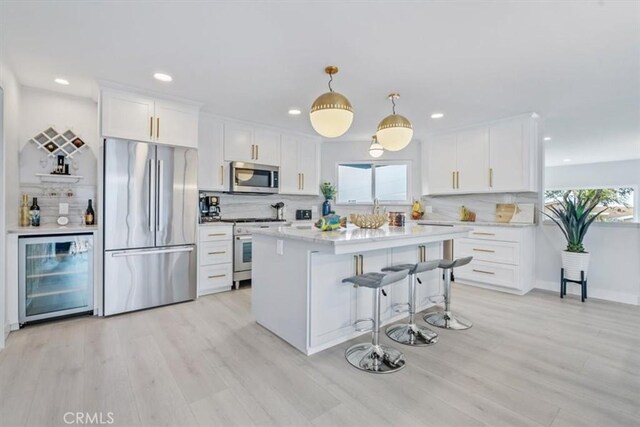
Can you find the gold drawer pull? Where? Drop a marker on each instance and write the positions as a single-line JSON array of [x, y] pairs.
[[483, 250], [216, 276], [217, 234], [217, 253], [480, 233], [483, 271]]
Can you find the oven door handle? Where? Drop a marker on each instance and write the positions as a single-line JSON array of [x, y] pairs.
[[243, 237]]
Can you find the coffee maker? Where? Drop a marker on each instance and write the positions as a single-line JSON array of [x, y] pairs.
[[209, 208]]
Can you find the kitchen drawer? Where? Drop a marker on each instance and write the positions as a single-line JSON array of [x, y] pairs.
[[216, 252], [215, 278], [210, 233], [492, 251], [505, 234], [489, 273]]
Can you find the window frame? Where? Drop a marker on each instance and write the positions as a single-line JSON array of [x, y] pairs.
[[636, 199], [374, 164]]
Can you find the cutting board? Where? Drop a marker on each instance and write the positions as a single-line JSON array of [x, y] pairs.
[[517, 213]]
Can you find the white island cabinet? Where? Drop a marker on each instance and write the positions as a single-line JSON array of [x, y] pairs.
[[309, 306]]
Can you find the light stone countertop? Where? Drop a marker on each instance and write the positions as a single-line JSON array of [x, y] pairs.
[[52, 229], [471, 224], [354, 235]]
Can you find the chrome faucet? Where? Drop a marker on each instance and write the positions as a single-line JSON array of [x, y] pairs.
[[376, 206]]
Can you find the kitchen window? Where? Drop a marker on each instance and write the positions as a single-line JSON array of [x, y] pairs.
[[363, 182], [619, 206]]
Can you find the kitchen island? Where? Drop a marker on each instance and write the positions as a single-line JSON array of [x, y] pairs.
[[297, 289]]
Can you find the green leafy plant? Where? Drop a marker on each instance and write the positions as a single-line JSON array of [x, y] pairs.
[[575, 210], [328, 190]]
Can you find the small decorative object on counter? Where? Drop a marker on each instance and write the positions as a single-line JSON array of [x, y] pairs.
[[89, 216], [417, 211], [25, 217], [397, 219], [329, 191], [467, 215], [35, 213], [329, 222], [368, 220]]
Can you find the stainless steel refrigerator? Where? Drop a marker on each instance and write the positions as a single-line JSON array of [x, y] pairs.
[[150, 214]]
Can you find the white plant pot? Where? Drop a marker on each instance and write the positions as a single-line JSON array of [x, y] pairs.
[[573, 263]]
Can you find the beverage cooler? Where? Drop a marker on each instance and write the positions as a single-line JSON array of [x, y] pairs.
[[56, 276]]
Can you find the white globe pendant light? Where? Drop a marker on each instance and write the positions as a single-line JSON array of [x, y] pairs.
[[375, 149], [331, 113], [394, 131]]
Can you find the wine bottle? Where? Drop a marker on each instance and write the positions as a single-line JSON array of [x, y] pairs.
[[35, 213], [89, 216], [25, 217]]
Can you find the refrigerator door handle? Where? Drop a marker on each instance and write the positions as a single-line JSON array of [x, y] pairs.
[[150, 194], [151, 251], [159, 190]]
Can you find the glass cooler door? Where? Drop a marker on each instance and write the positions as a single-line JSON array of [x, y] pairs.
[[56, 276]]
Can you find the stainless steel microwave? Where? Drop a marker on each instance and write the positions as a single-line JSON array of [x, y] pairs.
[[250, 178]]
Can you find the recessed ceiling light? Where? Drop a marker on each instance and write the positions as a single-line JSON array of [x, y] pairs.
[[566, 160], [294, 112], [63, 82], [547, 138], [163, 77], [437, 115]]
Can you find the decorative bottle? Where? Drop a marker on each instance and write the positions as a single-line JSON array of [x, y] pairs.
[[25, 216], [35, 213], [326, 207], [89, 215]]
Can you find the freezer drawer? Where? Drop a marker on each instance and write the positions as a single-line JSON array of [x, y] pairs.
[[144, 278]]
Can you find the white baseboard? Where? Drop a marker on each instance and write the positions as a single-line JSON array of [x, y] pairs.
[[574, 289]]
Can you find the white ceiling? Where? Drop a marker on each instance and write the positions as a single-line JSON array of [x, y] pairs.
[[576, 63]]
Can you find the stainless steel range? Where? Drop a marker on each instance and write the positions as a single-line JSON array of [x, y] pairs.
[[242, 243]]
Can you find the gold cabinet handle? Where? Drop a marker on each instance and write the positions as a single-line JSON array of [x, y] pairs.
[[483, 250], [483, 271], [361, 264], [302, 181], [217, 252], [257, 151], [453, 180], [422, 253], [458, 180], [216, 276], [299, 181], [481, 233], [356, 258], [217, 234], [221, 174], [158, 127], [150, 127], [490, 177]]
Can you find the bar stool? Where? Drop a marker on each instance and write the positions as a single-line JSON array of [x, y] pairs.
[[410, 333], [374, 357], [446, 319]]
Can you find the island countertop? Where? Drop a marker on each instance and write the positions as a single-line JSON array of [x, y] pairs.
[[356, 239]]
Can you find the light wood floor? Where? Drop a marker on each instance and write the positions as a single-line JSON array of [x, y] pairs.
[[528, 361]]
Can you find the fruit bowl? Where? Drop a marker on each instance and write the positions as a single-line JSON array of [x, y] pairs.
[[368, 220]]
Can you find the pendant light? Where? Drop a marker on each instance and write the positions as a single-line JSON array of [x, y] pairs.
[[331, 113], [375, 149], [394, 131]]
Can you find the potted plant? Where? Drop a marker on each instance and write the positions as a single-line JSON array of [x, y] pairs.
[[574, 211], [329, 191]]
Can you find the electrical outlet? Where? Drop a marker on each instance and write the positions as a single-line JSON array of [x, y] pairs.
[[428, 209], [63, 208], [280, 247]]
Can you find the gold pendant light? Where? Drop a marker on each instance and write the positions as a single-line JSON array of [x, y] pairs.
[[331, 113], [394, 131], [375, 149]]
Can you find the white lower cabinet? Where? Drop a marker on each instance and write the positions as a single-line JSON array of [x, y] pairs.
[[503, 258], [215, 259]]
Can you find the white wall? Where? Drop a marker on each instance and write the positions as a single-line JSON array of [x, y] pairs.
[[333, 152], [9, 168]]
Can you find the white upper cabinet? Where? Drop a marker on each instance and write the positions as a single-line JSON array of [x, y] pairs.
[[213, 171], [176, 124], [131, 116], [127, 116], [299, 165], [267, 147], [499, 157], [238, 143]]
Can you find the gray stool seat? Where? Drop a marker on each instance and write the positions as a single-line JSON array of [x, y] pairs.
[[374, 357], [446, 319], [410, 333]]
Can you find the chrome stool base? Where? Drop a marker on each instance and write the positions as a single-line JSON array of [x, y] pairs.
[[409, 334], [447, 320], [379, 359]]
